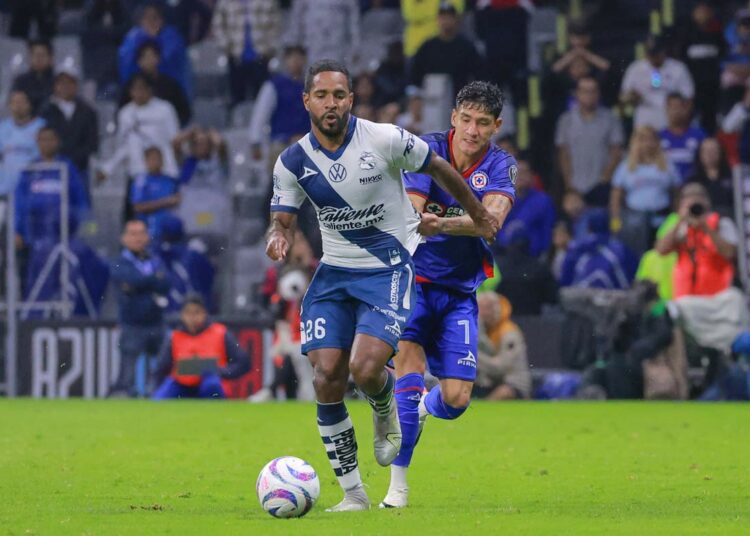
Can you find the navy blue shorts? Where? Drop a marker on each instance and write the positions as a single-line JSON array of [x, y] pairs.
[[343, 302], [444, 323]]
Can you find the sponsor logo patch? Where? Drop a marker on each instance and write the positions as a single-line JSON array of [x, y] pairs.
[[366, 161], [337, 173], [371, 180], [479, 180], [468, 361], [513, 173]]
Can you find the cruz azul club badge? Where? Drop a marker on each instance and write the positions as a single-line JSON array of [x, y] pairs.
[[479, 180]]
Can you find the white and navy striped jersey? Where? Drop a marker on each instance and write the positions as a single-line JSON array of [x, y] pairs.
[[365, 217]]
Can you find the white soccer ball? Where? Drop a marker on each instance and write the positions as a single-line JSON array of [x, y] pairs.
[[287, 487]]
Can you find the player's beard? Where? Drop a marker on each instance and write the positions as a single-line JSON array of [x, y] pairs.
[[331, 132]]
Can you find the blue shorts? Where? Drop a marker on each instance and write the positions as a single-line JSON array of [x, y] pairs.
[[341, 303], [444, 323]]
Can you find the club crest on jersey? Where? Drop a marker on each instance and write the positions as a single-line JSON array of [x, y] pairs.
[[366, 161], [434, 208], [513, 173], [337, 173], [479, 180]]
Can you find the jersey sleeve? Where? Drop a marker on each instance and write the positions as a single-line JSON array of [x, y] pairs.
[[407, 151], [287, 193], [502, 179]]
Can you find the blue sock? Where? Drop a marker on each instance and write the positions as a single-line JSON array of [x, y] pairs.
[[438, 408], [408, 392]]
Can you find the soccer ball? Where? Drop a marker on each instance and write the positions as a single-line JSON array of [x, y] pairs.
[[287, 487]]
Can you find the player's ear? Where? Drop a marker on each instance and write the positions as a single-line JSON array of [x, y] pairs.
[[454, 114], [498, 124], [306, 100]]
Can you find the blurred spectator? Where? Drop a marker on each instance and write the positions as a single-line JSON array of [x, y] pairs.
[[365, 111], [503, 369], [589, 141], [449, 53], [192, 18], [736, 66], [207, 162], [204, 174], [151, 27], [364, 89], [412, 118], [679, 140], [647, 83], [642, 190], [23, 12], [144, 122], [39, 191], [74, 120], [502, 27], [525, 280], [106, 25], [736, 121], [706, 245], [533, 210], [38, 81], [280, 107], [327, 29], [712, 171], [249, 33], [18, 144], [658, 268], [165, 87], [579, 43], [197, 356], [390, 77], [702, 46], [561, 238], [153, 194], [142, 286], [420, 18], [598, 260], [388, 113], [189, 269]]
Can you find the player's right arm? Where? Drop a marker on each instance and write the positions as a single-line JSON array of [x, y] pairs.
[[287, 198]]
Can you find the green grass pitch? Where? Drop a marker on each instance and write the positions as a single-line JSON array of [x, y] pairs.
[[137, 467]]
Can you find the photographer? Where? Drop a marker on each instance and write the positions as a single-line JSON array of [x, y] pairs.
[[706, 246]]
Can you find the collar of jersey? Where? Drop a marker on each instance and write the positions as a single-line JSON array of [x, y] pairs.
[[334, 155], [466, 174]]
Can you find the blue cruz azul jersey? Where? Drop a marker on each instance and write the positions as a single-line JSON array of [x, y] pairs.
[[365, 217], [459, 262]]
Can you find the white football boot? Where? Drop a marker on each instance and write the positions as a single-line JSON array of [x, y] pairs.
[[354, 500], [387, 435]]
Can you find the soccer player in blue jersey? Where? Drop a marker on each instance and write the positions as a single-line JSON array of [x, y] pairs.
[[357, 305], [450, 266]]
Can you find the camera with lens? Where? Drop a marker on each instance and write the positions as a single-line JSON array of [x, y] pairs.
[[697, 209]]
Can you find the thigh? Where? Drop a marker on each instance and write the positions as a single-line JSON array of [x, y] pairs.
[[131, 342], [327, 317], [385, 301], [455, 348], [210, 387], [169, 389]]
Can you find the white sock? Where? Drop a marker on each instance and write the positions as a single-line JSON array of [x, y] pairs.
[[398, 477], [341, 445]]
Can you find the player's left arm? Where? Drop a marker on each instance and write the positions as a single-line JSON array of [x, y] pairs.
[[498, 205]]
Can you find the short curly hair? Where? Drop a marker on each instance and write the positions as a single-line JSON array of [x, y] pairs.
[[480, 94]]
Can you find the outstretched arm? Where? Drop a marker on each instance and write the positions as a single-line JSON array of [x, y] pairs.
[[497, 205], [485, 224]]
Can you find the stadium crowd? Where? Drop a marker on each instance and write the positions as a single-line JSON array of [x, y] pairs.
[[625, 195]]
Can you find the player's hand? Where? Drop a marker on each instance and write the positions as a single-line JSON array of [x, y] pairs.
[[429, 225], [486, 224], [277, 246]]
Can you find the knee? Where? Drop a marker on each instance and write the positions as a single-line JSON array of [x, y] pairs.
[[364, 369], [408, 361], [326, 377], [458, 398]]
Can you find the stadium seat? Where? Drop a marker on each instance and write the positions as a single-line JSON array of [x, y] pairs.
[[209, 65], [107, 114], [68, 51], [210, 113], [13, 61], [241, 114]]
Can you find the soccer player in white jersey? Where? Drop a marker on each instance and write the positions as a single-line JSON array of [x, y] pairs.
[[363, 292]]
